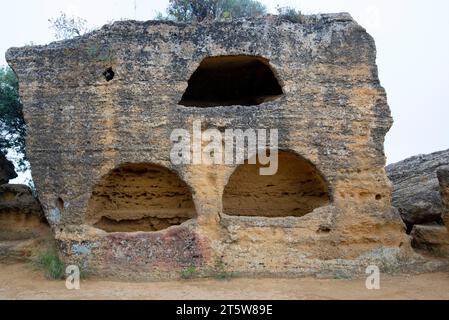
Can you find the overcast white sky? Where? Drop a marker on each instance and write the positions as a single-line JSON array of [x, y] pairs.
[[412, 52]]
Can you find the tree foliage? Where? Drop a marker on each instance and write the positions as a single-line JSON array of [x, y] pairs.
[[199, 10], [12, 123], [241, 8], [67, 27]]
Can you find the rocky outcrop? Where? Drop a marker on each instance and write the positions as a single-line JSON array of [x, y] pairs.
[[443, 178], [18, 198], [420, 192], [416, 190], [433, 239], [6, 170], [101, 109], [23, 227]]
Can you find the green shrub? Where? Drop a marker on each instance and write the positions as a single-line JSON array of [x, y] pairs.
[[189, 272], [49, 262], [290, 14], [199, 10]]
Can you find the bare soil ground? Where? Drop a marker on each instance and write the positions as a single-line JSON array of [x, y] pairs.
[[19, 281]]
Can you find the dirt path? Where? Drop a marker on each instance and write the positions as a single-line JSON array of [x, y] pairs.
[[19, 282]]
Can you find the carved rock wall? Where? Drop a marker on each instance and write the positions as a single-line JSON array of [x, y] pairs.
[[111, 98]]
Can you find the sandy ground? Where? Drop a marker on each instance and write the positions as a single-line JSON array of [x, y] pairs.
[[18, 281]]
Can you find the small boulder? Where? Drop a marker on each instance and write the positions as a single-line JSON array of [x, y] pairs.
[[416, 190], [432, 238]]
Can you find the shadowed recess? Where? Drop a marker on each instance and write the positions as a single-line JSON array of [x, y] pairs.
[[231, 80], [140, 197], [295, 190]]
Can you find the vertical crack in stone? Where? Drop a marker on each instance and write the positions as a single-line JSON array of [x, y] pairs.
[[443, 178]]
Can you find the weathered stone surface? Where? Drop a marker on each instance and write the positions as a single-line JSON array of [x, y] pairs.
[[416, 191], [18, 198], [6, 170], [443, 179], [21, 215], [431, 238], [109, 100], [22, 223]]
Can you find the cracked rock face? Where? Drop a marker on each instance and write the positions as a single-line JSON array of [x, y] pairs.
[[432, 238], [443, 179], [23, 230], [18, 199], [111, 99], [416, 190]]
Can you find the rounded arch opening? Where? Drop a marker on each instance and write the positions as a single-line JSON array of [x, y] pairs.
[[140, 197], [296, 189], [231, 80]]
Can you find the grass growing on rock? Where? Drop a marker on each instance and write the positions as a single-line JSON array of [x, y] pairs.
[[49, 262], [216, 271], [189, 273]]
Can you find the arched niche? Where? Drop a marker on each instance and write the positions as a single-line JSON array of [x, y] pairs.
[[139, 197], [297, 188], [231, 80]]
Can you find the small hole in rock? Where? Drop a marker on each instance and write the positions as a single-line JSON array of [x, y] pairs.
[[324, 229], [409, 227], [378, 197], [109, 74], [60, 204]]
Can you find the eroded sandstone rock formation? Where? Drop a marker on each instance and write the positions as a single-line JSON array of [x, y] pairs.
[[150, 197], [100, 110], [22, 223], [18, 198], [416, 190]]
